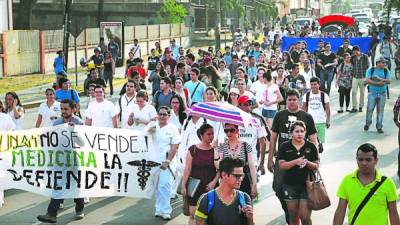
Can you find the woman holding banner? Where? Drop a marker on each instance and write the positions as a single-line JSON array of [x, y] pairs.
[[6, 124]]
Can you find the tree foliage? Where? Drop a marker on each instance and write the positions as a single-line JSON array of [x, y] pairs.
[[23, 20], [172, 12]]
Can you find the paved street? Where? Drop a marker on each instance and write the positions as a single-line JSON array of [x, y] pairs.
[[343, 137]]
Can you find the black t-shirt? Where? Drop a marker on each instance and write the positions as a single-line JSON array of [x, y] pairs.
[[296, 82], [221, 213], [98, 81], [325, 59], [97, 60], [153, 60], [284, 119], [295, 56], [341, 51], [287, 152]]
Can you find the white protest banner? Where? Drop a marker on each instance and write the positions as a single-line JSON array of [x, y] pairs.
[[78, 161]]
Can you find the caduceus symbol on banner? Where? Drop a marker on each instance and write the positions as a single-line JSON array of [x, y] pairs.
[[144, 168]]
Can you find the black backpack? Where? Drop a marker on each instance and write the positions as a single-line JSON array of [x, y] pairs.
[[322, 99]]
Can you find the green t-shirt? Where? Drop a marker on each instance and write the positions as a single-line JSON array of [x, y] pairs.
[[375, 212]]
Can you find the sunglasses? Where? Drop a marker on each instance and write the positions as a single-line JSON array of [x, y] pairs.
[[229, 130], [238, 176], [163, 114]]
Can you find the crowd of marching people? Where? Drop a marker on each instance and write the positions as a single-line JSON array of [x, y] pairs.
[[287, 93]]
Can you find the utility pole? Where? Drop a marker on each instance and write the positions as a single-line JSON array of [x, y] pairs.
[[67, 22], [100, 12], [218, 26]]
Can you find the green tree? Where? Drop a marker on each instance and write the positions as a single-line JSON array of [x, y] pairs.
[[172, 12], [347, 6]]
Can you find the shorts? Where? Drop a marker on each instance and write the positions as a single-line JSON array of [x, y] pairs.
[[294, 192], [270, 114], [321, 128]]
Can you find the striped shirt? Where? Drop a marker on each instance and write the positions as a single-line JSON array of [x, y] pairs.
[[244, 148]]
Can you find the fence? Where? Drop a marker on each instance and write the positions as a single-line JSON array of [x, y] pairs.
[[33, 51]]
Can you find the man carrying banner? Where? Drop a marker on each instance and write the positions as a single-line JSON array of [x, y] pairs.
[[167, 139], [67, 116], [101, 113]]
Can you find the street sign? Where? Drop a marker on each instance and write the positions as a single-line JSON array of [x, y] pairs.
[[76, 28]]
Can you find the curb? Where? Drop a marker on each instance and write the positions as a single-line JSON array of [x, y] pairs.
[[36, 104]]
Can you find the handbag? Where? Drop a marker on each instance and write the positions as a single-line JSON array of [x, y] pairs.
[[192, 186], [185, 206], [317, 195]]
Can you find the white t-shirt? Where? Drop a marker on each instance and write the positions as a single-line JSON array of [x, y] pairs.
[[164, 138], [315, 107], [307, 76], [271, 35], [126, 109], [251, 135], [6, 122], [270, 95], [101, 113], [174, 119], [258, 89], [143, 115], [48, 112], [225, 75], [17, 122]]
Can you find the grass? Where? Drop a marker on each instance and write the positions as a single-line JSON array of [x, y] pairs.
[[23, 82]]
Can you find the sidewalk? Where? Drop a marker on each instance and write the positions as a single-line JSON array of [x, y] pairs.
[[32, 97]]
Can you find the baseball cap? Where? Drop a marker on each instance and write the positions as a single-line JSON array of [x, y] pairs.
[[356, 48], [167, 50], [234, 90], [381, 59], [243, 99]]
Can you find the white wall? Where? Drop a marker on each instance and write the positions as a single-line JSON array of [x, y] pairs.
[[3, 16]]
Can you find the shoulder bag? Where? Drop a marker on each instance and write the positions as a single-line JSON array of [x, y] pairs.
[[366, 199], [317, 195]]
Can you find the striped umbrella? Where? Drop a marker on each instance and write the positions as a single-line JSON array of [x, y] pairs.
[[222, 112]]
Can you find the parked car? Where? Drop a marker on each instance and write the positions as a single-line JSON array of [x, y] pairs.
[[300, 22]]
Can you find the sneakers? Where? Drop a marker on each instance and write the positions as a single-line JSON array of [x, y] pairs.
[[163, 216], [348, 110], [47, 218], [360, 109], [79, 215], [166, 216], [353, 111], [380, 131], [366, 127], [340, 111]]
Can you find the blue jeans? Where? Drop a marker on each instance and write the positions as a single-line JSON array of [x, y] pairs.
[[326, 77], [378, 100]]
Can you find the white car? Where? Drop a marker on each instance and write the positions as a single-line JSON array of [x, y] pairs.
[[363, 28], [300, 22]]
